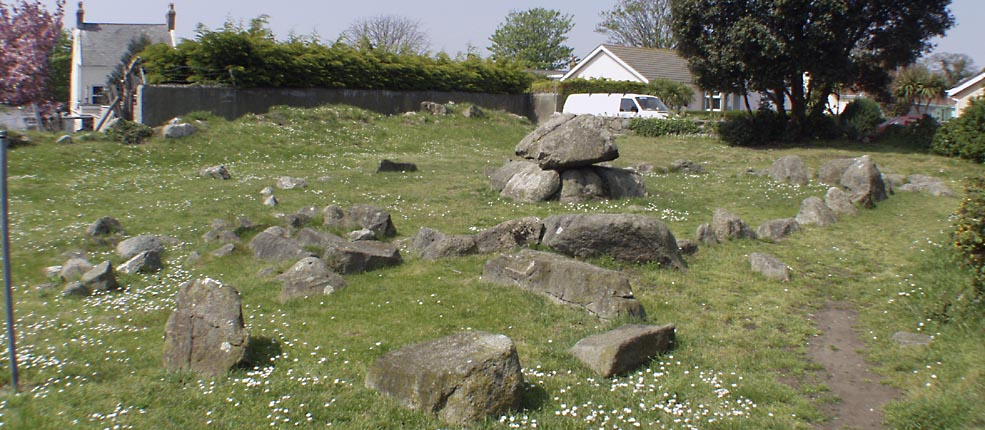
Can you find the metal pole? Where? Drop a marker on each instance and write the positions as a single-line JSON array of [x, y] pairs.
[[4, 224]]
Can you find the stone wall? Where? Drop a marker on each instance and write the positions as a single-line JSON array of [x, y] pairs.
[[158, 103]]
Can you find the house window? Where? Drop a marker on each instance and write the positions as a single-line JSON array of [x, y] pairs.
[[98, 95], [713, 101]]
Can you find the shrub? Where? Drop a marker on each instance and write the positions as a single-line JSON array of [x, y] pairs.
[[969, 230], [861, 118], [654, 127], [129, 132], [919, 135], [963, 136], [760, 128]]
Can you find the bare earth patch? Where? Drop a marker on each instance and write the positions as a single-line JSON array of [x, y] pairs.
[[846, 373]]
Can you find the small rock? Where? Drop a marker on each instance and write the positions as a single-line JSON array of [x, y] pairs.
[[145, 262], [364, 234], [105, 226], [392, 166], [101, 278], [911, 339], [727, 226], [290, 183], [76, 289], [177, 131], [624, 349], [270, 201], [128, 248], [224, 250], [267, 191], [215, 172], [777, 229], [839, 202], [769, 266], [74, 268], [473, 112], [814, 211], [64, 140], [686, 166], [687, 246]]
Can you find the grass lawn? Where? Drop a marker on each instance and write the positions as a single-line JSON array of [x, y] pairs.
[[740, 361]]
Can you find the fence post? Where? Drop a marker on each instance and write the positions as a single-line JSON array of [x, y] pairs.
[[4, 224]]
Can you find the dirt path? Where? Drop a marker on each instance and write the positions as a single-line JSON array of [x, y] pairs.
[[846, 373]]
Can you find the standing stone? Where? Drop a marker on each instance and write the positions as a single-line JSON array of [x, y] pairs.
[[777, 229], [568, 141], [128, 248], [511, 234], [205, 333], [579, 185], [790, 169], [625, 237], [625, 348], [604, 293], [531, 184], [145, 262], [768, 266], [727, 226], [864, 181], [461, 378], [101, 278], [831, 171], [814, 211], [621, 183], [309, 277], [105, 226], [839, 202]]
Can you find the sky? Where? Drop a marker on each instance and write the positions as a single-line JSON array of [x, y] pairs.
[[453, 26]]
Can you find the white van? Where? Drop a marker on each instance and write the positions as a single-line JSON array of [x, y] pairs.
[[616, 105]]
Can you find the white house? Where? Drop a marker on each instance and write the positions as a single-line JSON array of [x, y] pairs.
[[626, 63], [96, 51], [966, 91]]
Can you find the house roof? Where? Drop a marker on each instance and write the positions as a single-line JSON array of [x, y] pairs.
[[647, 63], [103, 44], [966, 84]]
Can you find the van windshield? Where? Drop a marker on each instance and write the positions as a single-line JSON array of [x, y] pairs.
[[652, 104]]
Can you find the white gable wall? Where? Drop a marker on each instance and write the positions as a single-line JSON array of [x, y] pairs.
[[604, 66]]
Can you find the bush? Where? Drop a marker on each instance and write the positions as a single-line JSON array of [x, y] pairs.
[[654, 127], [129, 132], [969, 230], [861, 118], [919, 135], [760, 128], [963, 136]]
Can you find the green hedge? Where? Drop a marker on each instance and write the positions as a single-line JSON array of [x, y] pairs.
[[969, 231], [248, 60], [654, 127], [963, 136]]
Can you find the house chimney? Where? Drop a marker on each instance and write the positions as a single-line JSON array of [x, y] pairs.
[[171, 15], [80, 16]]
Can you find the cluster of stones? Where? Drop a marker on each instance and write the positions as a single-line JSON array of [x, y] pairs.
[[438, 109], [560, 161]]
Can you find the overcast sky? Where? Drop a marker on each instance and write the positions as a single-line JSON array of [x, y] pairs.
[[451, 25]]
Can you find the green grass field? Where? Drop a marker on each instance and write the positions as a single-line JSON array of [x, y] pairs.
[[740, 361]]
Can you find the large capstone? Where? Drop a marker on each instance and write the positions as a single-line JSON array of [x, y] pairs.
[[567, 141], [205, 333], [460, 378], [625, 237], [604, 293]]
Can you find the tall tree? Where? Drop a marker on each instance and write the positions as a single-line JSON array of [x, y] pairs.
[[388, 33], [28, 33], [642, 23], [60, 69], [535, 37], [954, 68], [800, 50]]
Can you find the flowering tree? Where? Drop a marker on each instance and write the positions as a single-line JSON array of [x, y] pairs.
[[28, 33]]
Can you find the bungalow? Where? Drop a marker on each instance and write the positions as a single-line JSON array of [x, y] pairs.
[[627, 63], [966, 91], [96, 52]]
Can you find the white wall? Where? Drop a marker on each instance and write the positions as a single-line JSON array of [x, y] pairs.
[[965, 100], [603, 66]]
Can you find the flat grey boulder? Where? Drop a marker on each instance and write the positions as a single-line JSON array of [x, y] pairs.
[[530, 184], [220, 235], [291, 183], [268, 246], [624, 349], [177, 131], [434, 108], [102, 277], [76, 289], [215, 172], [768, 266], [357, 257], [727, 226], [777, 229], [686, 166], [604, 293], [308, 278], [621, 183], [864, 181], [145, 262], [831, 171], [568, 141], [790, 169], [625, 237], [361, 234], [814, 211], [128, 248], [517, 233], [460, 378], [927, 184], [582, 184], [105, 226], [224, 250], [358, 217], [839, 202], [74, 268], [314, 238], [432, 244], [205, 333]]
